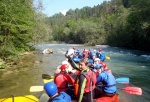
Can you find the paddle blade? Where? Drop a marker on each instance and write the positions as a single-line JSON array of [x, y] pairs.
[[36, 88], [47, 80], [133, 90], [107, 57], [122, 80], [46, 76]]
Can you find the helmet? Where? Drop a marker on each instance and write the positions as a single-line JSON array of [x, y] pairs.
[[103, 64], [50, 88], [100, 49], [86, 49], [64, 62], [63, 67], [96, 59], [98, 66], [70, 53]]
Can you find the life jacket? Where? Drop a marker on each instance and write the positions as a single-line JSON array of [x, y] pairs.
[[102, 56], [85, 54], [60, 81], [91, 77], [90, 83], [109, 83], [78, 72], [61, 96]]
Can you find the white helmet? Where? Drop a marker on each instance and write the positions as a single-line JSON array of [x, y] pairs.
[[96, 59], [65, 62], [70, 53]]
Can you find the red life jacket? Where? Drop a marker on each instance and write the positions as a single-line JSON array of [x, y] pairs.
[[91, 81], [60, 82], [85, 54]]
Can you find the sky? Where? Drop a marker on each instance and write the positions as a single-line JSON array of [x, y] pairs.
[[55, 6]]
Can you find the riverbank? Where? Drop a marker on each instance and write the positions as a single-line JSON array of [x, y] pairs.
[[14, 61], [2, 64]]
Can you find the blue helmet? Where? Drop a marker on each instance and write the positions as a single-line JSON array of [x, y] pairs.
[[50, 88], [98, 66]]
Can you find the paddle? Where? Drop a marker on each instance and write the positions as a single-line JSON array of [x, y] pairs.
[[130, 90], [47, 80], [122, 80], [36, 88], [46, 76], [133, 90], [107, 57]]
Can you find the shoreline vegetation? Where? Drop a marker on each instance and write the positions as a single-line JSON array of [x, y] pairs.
[[16, 60]]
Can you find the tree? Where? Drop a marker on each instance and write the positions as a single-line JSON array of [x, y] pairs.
[[17, 20]]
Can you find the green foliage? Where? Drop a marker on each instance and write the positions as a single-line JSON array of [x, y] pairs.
[[41, 31], [16, 22], [138, 25], [2, 64], [124, 23]]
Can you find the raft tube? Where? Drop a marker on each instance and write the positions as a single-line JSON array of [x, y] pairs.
[[77, 60], [26, 98], [115, 98]]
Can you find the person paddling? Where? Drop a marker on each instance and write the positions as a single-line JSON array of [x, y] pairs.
[[101, 55], [105, 67], [106, 83], [97, 61], [85, 81], [52, 91], [63, 78]]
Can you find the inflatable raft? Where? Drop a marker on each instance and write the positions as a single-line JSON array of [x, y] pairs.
[[115, 98], [77, 60], [26, 98]]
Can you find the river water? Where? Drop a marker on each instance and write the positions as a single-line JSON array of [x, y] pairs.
[[124, 63]]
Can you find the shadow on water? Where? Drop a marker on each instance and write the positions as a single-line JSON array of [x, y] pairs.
[[123, 63]]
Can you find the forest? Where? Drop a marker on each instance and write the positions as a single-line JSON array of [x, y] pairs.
[[119, 23]]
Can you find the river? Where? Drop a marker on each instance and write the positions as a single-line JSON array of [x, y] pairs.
[[124, 63]]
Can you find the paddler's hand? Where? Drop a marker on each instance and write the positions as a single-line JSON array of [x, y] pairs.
[[68, 57]]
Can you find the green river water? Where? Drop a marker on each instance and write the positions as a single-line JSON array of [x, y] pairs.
[[124, 63]]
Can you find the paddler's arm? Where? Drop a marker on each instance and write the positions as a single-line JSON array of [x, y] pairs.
[[73, 64], [82, 83], [101, 77], [69, 79]]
